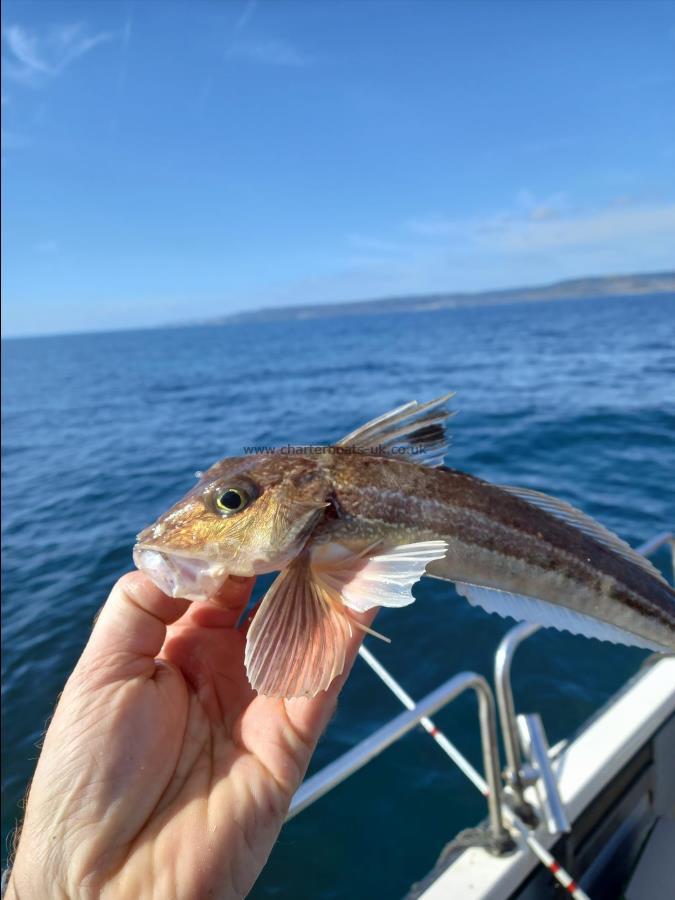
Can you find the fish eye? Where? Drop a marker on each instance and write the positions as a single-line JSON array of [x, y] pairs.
[[232, 500]]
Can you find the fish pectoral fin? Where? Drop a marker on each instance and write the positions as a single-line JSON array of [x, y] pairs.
[[418, 428], [549, 615], [371, 577], [584, 523], [297, 641]]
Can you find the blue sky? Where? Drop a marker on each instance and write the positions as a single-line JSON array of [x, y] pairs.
[[164, 161]]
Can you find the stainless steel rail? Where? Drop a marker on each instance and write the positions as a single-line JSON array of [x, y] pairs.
[[507, 712], [535, 746], [651, 546], [510, 817], [372, 746], [504, 692], [339, 770]]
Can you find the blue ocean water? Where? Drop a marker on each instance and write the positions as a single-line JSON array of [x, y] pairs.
[[102, 432]]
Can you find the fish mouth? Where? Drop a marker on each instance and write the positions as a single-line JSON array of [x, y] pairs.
[[181, 576]]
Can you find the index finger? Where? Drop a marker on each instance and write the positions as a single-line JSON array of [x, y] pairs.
[[132, 624]]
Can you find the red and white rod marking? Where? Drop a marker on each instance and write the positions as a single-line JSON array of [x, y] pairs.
[[542, 854], [545, 858]]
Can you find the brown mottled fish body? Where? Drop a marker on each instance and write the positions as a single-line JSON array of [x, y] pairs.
[[356, 525], [495, 539]]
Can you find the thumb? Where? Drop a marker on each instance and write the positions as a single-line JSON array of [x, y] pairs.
[[132, 624]]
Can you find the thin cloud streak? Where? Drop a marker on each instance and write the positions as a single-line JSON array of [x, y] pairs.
[[261, 51], [548, 227], [493, 251], [589, 229], [240, 26], [245, 17], [124, 49], [268, 53], [31, 59]]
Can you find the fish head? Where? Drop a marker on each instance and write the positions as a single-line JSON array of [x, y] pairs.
[[245, 516]]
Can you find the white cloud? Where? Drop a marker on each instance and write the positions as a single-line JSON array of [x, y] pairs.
[[543, 213], [533, 225], [32, 58], [245, 16], [589, 229], [534, 242], [268, 53], [125, 42]]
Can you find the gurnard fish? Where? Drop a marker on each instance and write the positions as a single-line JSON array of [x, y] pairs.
[[356, 525]]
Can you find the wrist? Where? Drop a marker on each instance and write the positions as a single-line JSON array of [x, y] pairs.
[[19, 883], [8, 891]]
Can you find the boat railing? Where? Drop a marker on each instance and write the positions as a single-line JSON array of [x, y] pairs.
[[515, 774], [334, 773], [519, 815]]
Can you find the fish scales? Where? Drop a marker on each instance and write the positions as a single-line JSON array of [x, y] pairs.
[[471, 513], [354, 526]]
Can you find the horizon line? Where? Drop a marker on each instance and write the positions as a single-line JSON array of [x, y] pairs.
[[236, 315]]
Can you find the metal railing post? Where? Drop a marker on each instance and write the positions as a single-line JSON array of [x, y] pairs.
[[504, 691], [507, 714], [487, 718], [545, 858], [337, 771]]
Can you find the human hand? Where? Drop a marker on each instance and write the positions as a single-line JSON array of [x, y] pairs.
[[163, 774]]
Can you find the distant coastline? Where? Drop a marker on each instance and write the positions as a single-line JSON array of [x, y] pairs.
[[650, 284], [572, 289]]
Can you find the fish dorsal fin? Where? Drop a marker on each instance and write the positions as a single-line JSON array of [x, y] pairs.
[[297, 641], [369, 578], [549, 615], [418, 428], [585, 524]]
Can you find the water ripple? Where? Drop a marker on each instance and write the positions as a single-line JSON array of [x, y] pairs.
[[102, 432]]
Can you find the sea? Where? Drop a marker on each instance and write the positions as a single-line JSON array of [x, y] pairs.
[[101, 432]]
